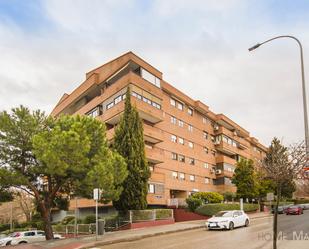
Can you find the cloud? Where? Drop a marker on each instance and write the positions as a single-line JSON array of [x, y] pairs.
[[200, 46]]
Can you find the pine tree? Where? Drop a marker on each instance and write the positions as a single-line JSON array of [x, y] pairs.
[[244, 179], [129, 143]]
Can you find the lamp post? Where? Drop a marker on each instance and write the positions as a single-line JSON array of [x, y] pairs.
[[303, 83]]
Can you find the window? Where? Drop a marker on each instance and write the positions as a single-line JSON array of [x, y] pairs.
[[156, 105], [192, 178], [151, 168], [173, 120], [206, 150], [191, 161], [205, 134], [110, 105], [179, 106], [181, 176], [212, 138], [173, 102], [181, 158], [29, 234], [204, 120], [190, 111], [174, 156], [213, 152], [151, 188], [206, 165], [118, 99], [181, 140], [180, 123], [174, 175], [190, 128], [173, 138], [150, 77], [190, 144], [94, 113], [146, 100]]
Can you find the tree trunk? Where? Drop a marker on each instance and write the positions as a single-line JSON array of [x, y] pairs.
[[275, 227], [45, 214]]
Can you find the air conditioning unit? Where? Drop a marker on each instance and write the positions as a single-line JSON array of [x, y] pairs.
[[216, 127], [212, 171], [217, 142], [218, 171]]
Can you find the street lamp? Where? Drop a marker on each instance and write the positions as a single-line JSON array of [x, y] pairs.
[[303, 83]]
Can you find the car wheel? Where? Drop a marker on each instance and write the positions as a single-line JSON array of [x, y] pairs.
[[247, 223], [23, 242], [8, 243], [231, 226]]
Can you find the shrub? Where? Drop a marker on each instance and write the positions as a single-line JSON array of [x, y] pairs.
[[66, 220], [90, 219], [209, 197], [193, 203], [211, 209], [140, 215], [302, 201], [4, 227], [229, 196]]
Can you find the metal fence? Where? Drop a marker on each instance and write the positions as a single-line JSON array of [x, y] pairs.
[[116, 222]]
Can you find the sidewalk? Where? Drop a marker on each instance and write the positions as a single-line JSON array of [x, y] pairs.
[[126, 235]]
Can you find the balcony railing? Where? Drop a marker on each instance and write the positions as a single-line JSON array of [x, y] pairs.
[[154, 155]]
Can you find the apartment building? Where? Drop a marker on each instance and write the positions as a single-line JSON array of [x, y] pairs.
[[189, 148]]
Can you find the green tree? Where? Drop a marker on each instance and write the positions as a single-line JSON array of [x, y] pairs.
[[283, 166], [245, 180], [129, 142], [50, 159]]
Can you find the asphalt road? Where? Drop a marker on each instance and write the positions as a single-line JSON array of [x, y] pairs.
[[257, 236]]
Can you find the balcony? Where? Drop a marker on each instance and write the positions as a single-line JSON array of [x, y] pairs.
[[146, 112], [110, 134], [154, 155], [226, 148], [157, 177], [225, 159], [152, 134]]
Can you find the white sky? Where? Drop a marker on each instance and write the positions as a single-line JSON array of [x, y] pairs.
[[46, 48]]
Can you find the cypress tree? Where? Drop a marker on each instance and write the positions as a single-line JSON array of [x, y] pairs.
[[129, 143]]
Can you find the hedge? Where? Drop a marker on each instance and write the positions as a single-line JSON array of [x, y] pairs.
[[301, 201], [211, 209]]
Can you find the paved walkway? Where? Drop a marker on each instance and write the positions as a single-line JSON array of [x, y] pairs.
[[124, 236]]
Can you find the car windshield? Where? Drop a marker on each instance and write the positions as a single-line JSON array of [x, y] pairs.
[[224, 214]]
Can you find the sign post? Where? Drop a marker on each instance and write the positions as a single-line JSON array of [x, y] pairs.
[[241, 202], [96, 196]]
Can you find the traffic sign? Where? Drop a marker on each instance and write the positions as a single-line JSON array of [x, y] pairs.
[[270, 196]]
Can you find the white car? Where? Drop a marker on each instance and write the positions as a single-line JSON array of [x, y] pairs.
[[228, 220], [25, 237]]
